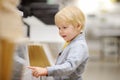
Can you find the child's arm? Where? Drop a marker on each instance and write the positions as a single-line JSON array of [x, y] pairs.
[[38, 71]]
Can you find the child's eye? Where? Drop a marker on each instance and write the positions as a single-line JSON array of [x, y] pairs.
[[59, 28], [64, 27]]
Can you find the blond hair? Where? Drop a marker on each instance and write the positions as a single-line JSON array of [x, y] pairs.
[[71, 15]]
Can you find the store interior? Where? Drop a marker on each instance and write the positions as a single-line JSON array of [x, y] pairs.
[[41, 36]]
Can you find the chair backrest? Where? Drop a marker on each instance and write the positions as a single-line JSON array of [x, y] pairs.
[[37, 56]]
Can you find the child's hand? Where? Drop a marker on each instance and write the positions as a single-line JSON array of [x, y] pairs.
[[38, 71]]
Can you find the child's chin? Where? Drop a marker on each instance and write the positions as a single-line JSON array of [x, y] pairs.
[[66, 40]]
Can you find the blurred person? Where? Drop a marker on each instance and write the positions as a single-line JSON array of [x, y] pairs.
[[11, 32], [11, 25], [71, 61]]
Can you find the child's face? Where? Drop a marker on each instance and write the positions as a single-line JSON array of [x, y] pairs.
[[67, 31]]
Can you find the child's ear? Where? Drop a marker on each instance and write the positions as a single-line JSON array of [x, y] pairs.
[[79, 27]]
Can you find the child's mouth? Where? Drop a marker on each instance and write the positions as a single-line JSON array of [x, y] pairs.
[[64, 36]]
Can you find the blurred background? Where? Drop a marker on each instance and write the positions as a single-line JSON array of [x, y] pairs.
[[102, 33]]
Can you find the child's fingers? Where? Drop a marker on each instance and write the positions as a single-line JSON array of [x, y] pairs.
[[30, 67]]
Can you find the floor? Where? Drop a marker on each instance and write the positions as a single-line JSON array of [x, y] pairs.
[[97, 69], [102, 70]]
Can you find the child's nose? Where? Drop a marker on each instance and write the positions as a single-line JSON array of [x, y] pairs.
[[61, 31]]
